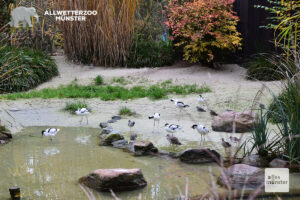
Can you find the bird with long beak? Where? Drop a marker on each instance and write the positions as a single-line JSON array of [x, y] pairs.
[[202, 130]]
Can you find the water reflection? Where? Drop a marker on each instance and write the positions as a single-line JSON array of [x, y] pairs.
[[83, 139], [50, 151]]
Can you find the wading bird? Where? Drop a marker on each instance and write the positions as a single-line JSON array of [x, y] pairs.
[[179, 104], [202, 130], [133, 137], [156, 118], [199, 109], [173, 140], [201, 99], [50, 132], [131, 124], [172, 128], [234, 139], [83, 112], [213, 113]]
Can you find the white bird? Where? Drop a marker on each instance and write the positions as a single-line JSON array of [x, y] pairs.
[[83, 112], [202, 130], [156, 118], [172, 128], [201, 99], [179, 104], [131, 124], [50, 132]]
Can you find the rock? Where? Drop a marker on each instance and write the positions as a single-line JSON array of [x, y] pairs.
[[255, 160], [241, 175], [105, 132], [196, 156], [5, 137], [116, 118], [144, 148], [244, 121], [103, 125], [112, 137], [121, 144], [111, 121], [278, 163], [115, 179]]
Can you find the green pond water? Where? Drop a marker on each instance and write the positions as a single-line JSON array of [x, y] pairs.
[[50, 170]]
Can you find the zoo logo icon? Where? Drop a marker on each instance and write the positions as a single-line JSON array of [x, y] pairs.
[[277, 180], [23, 14]]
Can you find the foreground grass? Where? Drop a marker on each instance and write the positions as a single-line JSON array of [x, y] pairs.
[[108, 92]]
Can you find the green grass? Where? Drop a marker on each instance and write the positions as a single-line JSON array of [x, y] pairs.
[[98, 80], [72, 107], [126, 111], [120, 80], [108, 92]]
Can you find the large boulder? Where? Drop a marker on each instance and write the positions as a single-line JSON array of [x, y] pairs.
[[278, 163], [115, 179], [111, 137], [196, 156], [241, 176], [144, 148], [242, 121], [255, 160]]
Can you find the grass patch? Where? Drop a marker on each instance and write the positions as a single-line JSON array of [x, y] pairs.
[[98, 80], [109, 92], [124, 111], [72, 107], [120, 80]]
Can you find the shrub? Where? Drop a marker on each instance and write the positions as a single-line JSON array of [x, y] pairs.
[[22, 69], [72, 107], [126, 111], [263, 68], [146, 52], [205, 28], [98, 80]]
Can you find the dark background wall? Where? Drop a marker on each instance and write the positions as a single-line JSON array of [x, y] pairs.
[[255, 39]]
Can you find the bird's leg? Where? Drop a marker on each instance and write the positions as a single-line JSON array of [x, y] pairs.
[[81, 119], [158, 127], [153, 126], [87, 120], [50, 138]]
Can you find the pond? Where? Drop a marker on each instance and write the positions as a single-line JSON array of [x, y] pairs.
[[45, 169]]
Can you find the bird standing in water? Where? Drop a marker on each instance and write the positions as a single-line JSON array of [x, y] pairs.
[[173, 140], [131, 124], [82, 112], [50, 132], [202, 130], [156, 118]]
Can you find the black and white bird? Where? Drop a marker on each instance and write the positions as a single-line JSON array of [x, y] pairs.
[[50, 132], [156, 118], [213, 113], [234, 139], [133, 137], [82, 112], [131, 124], [173, 140], [202, 130], [225, 144], [179, 104], [199, 109], [172, 128], [201, 99]]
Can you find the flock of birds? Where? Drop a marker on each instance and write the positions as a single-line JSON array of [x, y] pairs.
[[170, 128]]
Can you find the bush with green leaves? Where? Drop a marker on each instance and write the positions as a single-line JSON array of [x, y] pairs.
[[73, 106], [22, 69], [146, 52], [98, 80]]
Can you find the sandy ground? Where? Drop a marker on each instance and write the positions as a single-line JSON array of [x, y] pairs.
[[230, 90]]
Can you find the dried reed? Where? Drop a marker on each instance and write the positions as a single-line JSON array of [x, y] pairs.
[[103, 39]]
